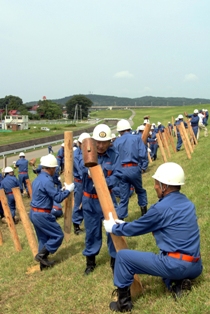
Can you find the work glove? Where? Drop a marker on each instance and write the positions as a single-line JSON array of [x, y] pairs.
[[119, 221], [59, 178], [69, 187], [14, 162], [108, 224], [89, 173]]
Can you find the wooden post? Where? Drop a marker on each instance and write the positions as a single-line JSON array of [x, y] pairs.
[[146, 133], [171, 140], [193, 137], [149, 157], [25, 221], [4, 162], [186, 136], [1, 238], [29, 186], [10, 221], [107, 207], [68, 178], [184, 141], [161, 147], [166, 144]]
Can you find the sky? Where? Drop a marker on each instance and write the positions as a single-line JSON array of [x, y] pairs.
[[122, 48]]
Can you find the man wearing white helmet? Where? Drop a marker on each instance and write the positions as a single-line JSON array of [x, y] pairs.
[[108, 158], [48, 231], [134, 160], [201, 125], [10, 181], [160, 127], [173, 222], [194, 120], [179, 138], [77, 215], [22, 165]]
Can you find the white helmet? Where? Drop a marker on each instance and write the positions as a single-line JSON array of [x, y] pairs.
[[146, 121], [62, 145], [75, 141], [180, 116], [176, 119], [159, 123], [21, 154], [102, 132], [170, 173], [196, 111], [49, 161], [123, 125], [141, 127], [83, 136], [113, 136], [8, 169]]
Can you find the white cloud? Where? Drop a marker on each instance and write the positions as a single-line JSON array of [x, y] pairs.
[[190, 77], [123, 74]]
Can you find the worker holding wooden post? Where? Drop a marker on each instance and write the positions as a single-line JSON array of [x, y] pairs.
[[48, 231], [173, 222]]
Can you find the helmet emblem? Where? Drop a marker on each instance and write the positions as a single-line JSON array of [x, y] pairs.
[[102, 134]]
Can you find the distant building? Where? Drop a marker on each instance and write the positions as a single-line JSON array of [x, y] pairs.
[[16, 122], [33, 110]]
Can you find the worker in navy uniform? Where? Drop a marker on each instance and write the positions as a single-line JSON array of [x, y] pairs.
[[194, 121], [160, 127], [179, 138], [48, 231], [50, 149], [108, 158], [134, 160], [77, 213], [153, 143], [60, 158], [10, 181], [22, 165], [173, 222]]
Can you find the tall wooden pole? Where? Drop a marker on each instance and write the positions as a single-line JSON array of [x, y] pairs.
[[179, 127], [68, 178], [161, 147], [25, 221], [28, 183], [107, 207], [10, 221], [1, 238]]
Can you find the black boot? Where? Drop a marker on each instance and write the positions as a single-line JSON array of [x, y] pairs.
[[42, 257], [91, 264], [42, 266], [123, 304], [179, 286], [112, 263], [77, 229], [143, 210]]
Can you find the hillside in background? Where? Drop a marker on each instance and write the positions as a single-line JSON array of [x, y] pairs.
[[100, 100]]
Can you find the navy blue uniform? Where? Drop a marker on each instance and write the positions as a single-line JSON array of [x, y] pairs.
[[173, 222], [92, 211], [133, 159], [194, 122], [22, 165], [44, 193], [77, 216], [60, 158], [7, 184]]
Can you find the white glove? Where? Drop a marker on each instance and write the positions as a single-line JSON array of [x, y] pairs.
[[119, 221], [108, 224], [14, 162], [59, 178], [89, 173], [69, 187]]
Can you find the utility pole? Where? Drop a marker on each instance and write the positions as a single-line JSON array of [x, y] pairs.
[[80, 106]]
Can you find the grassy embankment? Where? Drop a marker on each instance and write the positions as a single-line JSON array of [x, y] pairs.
[[64, 288]]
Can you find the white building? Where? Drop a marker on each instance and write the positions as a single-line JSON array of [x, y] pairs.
[[16, 123]]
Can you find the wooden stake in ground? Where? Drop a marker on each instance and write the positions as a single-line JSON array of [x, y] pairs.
[[28, 183], [187, 138], [161, 147], [10, 221], [68, 178], [146, 133], [106, 203], [25, 221], [166, 144], [171, 140], [179, 127], [1, 238]]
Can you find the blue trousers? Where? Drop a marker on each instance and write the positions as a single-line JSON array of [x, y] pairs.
[[11, 203], [130, 176], [22, 179], [129, 262], [179, 142], [77, 215], [48, 231], [195, 130], [154, 148], [93, 217]]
